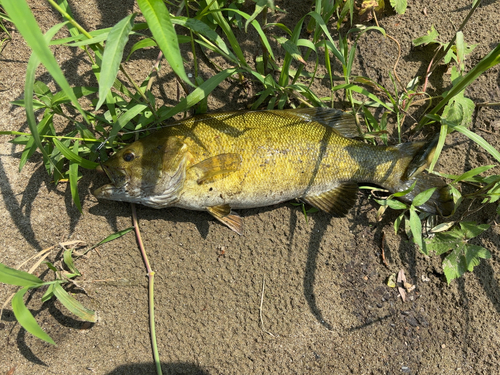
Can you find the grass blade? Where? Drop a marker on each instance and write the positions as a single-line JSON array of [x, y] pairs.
[[198, 94], [73, 178], [112, 56], [158, 19], [363, 91], [71, 156], [26, 319], [490, 60], [477, 139], [113, 236], [25, 23], [16, 277], [73, 305]]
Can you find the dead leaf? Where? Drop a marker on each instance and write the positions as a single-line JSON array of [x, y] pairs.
[[401, 280]]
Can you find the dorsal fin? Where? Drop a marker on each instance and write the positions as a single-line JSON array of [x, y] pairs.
[[337, 201], [341, 121]]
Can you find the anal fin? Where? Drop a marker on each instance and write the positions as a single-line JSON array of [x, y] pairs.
[[337, 201], [227, 217]]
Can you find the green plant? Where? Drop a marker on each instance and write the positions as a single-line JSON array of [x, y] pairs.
[[65, 273], [118, 114], [55, 288]]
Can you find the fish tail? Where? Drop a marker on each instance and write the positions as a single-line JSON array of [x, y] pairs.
[[441, 201]]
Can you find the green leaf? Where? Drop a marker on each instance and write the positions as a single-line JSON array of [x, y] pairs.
[[478, 139], [144, 43], [125, 118], [49, 293], [158, 19], [70, 155], [467, 176], [399, 6], [113, 236], [423, 197], [397, 222], [73, 178], [363, 91], [291, 48], [396, 205], [431, 37], [68, 260], [80, 91], [259, 7], [470, 229], [198, 94], [490, 60], [26, 319], [112, 56], [27, 26], [416, 230], [73, 305], [463, 258], [30, 148], [31, 68], [16, 277]]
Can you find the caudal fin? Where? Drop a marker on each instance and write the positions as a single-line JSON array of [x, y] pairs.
[[441, 201]]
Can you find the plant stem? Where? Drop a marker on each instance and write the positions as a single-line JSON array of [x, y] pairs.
[[443, 54], [151, 276]]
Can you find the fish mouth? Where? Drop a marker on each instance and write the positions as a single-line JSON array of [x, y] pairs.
[[119, 181]]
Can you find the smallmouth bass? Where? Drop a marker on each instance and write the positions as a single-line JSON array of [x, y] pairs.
[[217, 162]]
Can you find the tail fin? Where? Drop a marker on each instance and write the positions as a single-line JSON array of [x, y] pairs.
[[441, 201]]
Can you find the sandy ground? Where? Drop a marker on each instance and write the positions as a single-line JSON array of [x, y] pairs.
[[326, 307]]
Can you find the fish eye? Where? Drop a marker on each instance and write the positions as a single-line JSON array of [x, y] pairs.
[[128, 156]]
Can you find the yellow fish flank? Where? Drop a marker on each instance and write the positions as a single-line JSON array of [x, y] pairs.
[[222, 161]]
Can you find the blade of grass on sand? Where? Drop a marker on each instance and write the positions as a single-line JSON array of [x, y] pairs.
[[31, 68], [221, 21], [16, 277], [158, 19], [30, 148], [73, 305], [27, 26], [198, 94], [73, 178], [112, 56], [26, 319]]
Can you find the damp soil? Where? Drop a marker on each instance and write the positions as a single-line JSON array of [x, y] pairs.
[[325, 307]]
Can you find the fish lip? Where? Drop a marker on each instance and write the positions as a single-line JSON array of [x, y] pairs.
[[119, 181], [118, 176]]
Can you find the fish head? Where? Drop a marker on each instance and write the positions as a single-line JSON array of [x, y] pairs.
[[148, 171]]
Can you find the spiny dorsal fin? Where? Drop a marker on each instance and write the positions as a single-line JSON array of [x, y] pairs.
[[217, 165], [337, 201], [224, 214], [341, 121]]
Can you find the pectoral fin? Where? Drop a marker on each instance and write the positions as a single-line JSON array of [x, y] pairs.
[[217, 165], [224, 214], [337, 201]]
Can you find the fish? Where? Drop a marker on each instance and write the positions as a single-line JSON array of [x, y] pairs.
[[219, 162]]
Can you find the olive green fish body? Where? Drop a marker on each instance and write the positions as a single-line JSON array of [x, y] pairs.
[[217, 162]]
